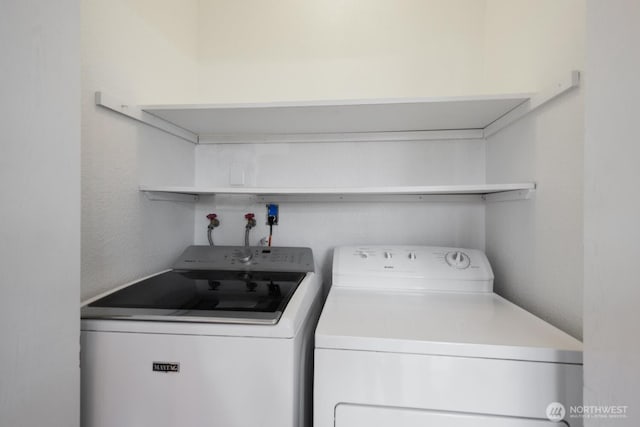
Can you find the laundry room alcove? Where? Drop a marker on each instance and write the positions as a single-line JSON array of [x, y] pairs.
[[457, 207], [442, 123]]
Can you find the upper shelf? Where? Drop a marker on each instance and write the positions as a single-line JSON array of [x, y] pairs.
[[473, 117], [388, 115]]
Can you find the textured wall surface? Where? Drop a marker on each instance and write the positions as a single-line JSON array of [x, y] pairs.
[[149, 56]]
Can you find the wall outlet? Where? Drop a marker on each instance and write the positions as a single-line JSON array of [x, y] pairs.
[[236, 175]]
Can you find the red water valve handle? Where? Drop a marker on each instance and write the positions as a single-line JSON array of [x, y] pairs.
[[251, 220], [213, 220]]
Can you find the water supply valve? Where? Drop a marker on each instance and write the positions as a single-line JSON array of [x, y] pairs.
[[213, 220], [251, 220]]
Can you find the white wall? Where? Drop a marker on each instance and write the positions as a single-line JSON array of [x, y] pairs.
[[254, 50], [612, 209], [528, 43], [39, 213], [536, 246], [139, 51], [323, 226]]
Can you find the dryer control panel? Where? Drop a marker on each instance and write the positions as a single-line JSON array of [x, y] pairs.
[[412, 268]]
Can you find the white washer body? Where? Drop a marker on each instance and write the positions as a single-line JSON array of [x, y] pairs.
[[415, 336], [230, 375]]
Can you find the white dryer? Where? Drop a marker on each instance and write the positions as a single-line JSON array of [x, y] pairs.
[[415, 336], [225, 339]]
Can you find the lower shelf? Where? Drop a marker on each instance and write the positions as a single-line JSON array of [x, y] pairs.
[[488, 192]]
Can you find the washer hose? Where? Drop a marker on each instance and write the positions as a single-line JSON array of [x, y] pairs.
[[251, 222], [213, 223]]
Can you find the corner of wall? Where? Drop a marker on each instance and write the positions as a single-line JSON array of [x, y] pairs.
[[536, 245], [148, 57]]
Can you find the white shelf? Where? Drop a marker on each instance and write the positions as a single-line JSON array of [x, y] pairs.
[[214, 122], [489, 192], [413, 119]]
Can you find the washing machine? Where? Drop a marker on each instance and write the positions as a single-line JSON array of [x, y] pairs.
[[225, 338], [414, 336]]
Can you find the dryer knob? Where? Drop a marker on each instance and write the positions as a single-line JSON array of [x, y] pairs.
[[412, 256], [458, 259]]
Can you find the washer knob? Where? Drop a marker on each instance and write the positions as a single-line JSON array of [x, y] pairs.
[[388, 255], [245, 256], [457, 259], [412, 255]]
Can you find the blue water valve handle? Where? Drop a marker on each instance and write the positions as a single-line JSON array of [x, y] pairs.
[[272, 214]]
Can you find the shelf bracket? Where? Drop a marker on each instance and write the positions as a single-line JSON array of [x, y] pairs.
[[137, 114], [391, 136], [369, 198], [509, 196], [171, 197], [570, 82]]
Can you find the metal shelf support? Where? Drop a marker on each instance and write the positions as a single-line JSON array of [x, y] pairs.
[[137, 114], [171, 197], [536, 101]]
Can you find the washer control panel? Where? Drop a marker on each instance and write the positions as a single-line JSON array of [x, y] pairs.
[[412, 267], [246, 258]]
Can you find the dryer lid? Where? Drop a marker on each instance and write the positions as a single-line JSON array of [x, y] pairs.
[[461, 324]]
